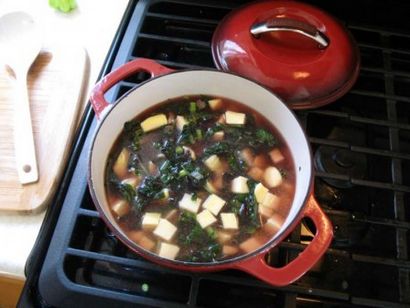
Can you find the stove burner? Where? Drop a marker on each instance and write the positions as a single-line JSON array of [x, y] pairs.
[[340, 161]]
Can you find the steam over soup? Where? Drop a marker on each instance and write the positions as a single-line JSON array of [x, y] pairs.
[[200, 179]]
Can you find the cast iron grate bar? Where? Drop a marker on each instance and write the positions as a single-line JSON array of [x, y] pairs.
[[175, 40], [183, 18]]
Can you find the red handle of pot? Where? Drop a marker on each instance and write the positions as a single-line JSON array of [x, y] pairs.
[[258, 267], [97, 99]]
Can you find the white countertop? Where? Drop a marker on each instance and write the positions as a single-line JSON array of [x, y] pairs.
[[92, 25]]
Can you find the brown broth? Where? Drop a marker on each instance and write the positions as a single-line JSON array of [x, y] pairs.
[[195, 243]]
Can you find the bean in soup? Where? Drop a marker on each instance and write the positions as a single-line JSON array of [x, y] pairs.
[[200, 179]]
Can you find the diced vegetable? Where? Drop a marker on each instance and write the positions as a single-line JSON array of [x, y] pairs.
[[190, 203], [165, 230], [272, 177], [154, 122], [273, 224], [239, 185], [271, 201], [132, 181], [215, 104], [248, 156], [168, 251], [120, 167], [223, 237], [251, 244], [261, 161], [260, 192], [150, 220], [265, 211], [172, 215], [276, 156], [256, 173], [165, 194], [229, 221], [180, 122], [218, 136], [214, 204], [190, 151], [147, 243], [205, 219], [213, 163], [120, 208], [210, 187], [152, 168], [229, 250]]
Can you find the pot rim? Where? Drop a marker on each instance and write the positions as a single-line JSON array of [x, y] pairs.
[[188, 265]]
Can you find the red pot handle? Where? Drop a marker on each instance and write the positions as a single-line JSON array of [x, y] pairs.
[[97, 99], [258, 267]]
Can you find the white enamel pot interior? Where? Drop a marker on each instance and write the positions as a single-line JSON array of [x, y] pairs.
[[210, 83]]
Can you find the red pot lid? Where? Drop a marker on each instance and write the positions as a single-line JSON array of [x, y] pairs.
[[300, 52]]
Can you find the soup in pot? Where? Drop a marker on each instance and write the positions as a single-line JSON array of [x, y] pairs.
[[200, 179]]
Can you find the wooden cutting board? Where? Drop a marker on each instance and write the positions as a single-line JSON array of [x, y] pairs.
[[56, 89]]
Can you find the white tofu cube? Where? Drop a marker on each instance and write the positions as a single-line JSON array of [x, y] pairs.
[[229, 221], [213, 163], [235, 118], [272, 177], [120, 167], [239, 185], [120, 208], [205, 218], [150, 220], [168, 251], [165, 230], [271, 201], [154, 122], [180, 122], [215, 103], [186, 203], [214, 204], [260, 192]]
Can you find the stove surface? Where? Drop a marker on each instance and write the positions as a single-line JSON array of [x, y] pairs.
[[361, 146]]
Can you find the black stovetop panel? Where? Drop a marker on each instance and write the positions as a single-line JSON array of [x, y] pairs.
[[361, 146]]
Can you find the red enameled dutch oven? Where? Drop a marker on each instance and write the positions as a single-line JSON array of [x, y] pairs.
[[165, 84], [300, 52]]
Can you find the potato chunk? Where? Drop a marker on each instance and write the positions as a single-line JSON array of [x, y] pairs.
[[260, 192], [273, 224], [229, 250], [214, 204], [213, 163], [264, 211], [209, 187], [150, 220], [154, 122], [248, 156], [186, 203], [168, 251], [180, 122], [239, 185], [256, 173], [272, 177], [189, 151], [120, 167], [120, 208], [165, 230], [223, 237], [276, 156], [271, 201], [133, 181], [205, 218], [251, 244], [215, 103], [218, 136], [235, 118], [229, 221]]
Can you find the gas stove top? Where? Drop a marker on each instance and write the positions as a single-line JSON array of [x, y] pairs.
[[361, 146]]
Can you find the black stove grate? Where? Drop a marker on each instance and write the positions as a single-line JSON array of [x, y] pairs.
[[361, 145]]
